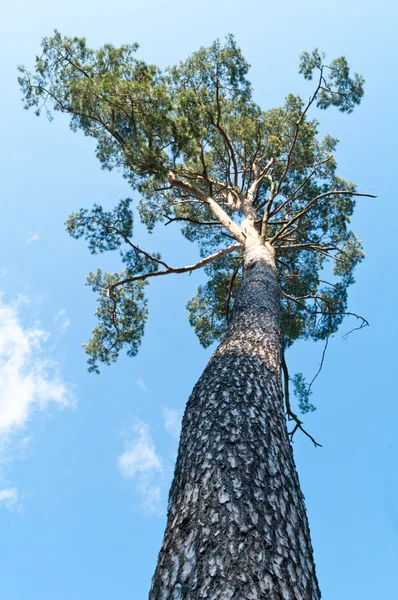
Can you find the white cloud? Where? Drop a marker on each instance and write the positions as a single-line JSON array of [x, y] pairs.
[[172, 421], [62, 320], [139, 455], [140, 461], [29, 382], [150, 496], [141, 383], [33, 237], [9, 498], [28, 379]]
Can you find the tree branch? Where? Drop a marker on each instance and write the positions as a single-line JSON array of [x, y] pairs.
[[169, 270], [365, 322], [300, 187], [290, 414], [130, 243], [231, 283], [264, 220], [248, 202], [219, 212], [66, 109], [311, 203], [224, 134], [189, 220], [298, 123]]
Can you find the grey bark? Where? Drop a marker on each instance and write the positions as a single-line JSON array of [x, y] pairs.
[[237, 526]]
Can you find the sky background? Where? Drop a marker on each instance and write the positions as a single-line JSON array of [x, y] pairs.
[[85, 460]]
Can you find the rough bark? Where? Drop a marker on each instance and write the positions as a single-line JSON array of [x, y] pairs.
[[237, 527]]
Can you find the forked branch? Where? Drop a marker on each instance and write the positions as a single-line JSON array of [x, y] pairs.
[[312, 203], [217, 210]]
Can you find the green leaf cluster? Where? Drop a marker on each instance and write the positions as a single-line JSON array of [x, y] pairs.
[[121, 309]]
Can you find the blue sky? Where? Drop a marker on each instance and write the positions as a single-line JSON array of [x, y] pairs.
[[85, 460]]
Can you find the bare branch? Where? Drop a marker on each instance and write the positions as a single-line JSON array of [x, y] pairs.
[[311, 203], [227, 141], [290, 414], [264, 221], [297, 129], [219, 212], [298, 299], [300, 187], [364, 323], [307, 246], [169, 270], [248, 202], [322, 361], [223, 189], [258, 177], [189, 220]]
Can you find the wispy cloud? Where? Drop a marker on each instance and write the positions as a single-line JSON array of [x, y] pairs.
[[29, 382], [33, 237], [62, 320], [172, 421], [140, 455], [141, 383], [9, 498], [140, 462]]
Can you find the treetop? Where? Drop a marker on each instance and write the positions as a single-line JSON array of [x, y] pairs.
[[202, 156]]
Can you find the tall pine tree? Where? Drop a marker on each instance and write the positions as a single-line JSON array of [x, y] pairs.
[[259, 193]]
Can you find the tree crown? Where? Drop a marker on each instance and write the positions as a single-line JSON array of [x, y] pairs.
[[200, 152]]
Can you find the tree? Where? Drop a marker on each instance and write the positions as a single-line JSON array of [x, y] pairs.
[[258, 191]]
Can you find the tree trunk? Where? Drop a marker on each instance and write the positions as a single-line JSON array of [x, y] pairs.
[[237, 526]]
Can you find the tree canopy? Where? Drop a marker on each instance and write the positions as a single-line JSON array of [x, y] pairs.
[[203, 156]]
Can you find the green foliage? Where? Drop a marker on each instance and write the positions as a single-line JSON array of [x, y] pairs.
[[302, 392], [198, 119], [121, 309], [110, 95], [102, 230], [211, 307], [337, 88], [121, 318]]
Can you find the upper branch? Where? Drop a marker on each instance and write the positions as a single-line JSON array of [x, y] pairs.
[[217, 124], [300, 187], [310, 204], [219, 212], [297, 129], [248, 203]]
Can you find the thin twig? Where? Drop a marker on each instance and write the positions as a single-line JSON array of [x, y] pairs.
[[322, 361], [311, 203], [364, 323], [290, 414]]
